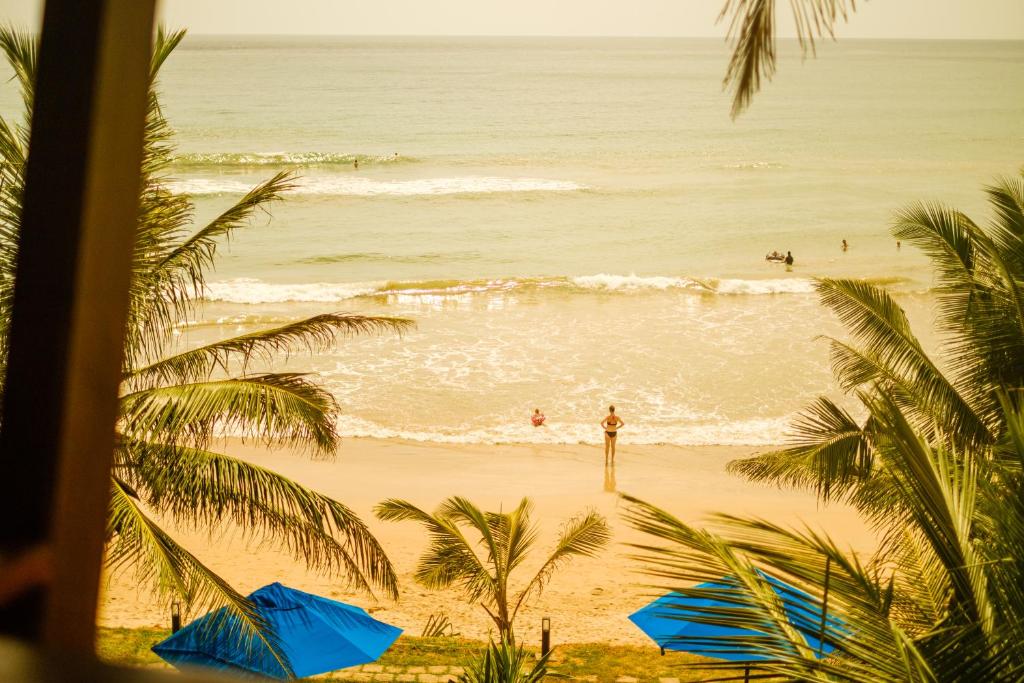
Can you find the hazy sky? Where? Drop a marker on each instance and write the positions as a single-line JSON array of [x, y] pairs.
[[875, 19]]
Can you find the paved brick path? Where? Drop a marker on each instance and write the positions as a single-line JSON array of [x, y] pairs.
[[436, 674]]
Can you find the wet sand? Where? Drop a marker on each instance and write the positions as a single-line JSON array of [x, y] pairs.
[[587, 601]]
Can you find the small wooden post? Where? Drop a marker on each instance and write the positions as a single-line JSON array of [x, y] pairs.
[[175, 616], [545, 636]]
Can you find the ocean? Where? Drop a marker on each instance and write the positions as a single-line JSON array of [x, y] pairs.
[[577, 222]]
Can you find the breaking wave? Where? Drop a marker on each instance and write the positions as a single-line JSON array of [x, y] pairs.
[[252, 291], [297, 159], [351, 185], [754, 432]]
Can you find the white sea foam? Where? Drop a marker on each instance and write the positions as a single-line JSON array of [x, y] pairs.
[[776, 286], [754, 432], [250, 291], [632, 282], [253, 291], [368, 187]]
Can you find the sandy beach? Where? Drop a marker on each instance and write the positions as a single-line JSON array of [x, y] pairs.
[[588, 601]]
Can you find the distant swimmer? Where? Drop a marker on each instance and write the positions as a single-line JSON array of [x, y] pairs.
[[845, 245], [611, 424], [775, 256], [537, 418], [356, 164], [789, 258], [897, 245]]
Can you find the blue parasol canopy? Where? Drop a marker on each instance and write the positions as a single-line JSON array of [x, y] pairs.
[[315, 634], [675, 621]]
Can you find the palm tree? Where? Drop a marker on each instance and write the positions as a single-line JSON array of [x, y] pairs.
[[752, 33], [173, 403], [942, 599], [935, 466], [980, 318], [504, 541]]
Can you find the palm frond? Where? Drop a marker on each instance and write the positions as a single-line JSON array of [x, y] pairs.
[[138, 544], [188, 261], [311, 334], [752, 34], [450, 558], [856, 624], [940, 491], [166, 42], [276, 407], [582, 536], [207, 489], [506, 663], [829, 450], [21, 51]]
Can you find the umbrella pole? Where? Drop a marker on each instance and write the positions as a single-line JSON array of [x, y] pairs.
[[824, 606]]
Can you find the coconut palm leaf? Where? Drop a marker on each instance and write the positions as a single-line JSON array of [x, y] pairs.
[[279, 407], [505, 539], [752, 34], [942, 599], [876, 322], [871, 648], [174, 406], [139, 544], [829, 451], [451, 558], [940, 490], [189, 260], [21, 51], [317, 332], [582, 536], [207, 489]]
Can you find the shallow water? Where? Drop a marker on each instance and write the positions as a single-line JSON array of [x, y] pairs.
[[574, 222]]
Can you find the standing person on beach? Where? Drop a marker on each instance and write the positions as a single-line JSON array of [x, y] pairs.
[[789, 258], [611, 424]]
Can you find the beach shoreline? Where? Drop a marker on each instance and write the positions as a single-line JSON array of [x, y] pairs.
[[587, 601]]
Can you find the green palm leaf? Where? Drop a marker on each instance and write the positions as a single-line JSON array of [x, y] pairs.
[[505, 540], [207, 489], [752, 34], [174, 405], [279, 407], [137, 543], [311, 334], [829, 451]]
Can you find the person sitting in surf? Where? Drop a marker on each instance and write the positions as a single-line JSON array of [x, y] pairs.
[[611, 425], [538, 417]]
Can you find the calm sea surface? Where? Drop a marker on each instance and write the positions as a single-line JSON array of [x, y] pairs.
[[574, 222]]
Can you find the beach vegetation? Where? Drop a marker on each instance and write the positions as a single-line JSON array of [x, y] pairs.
[[478, 551], [931, 455], [176, 402], [506, 663]]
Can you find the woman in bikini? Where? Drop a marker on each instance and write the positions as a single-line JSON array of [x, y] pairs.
[[611, 424]]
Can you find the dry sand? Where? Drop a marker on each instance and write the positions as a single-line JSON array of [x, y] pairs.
[[588, 601]]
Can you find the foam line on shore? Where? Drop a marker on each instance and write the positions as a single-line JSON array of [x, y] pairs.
[[253, 291]]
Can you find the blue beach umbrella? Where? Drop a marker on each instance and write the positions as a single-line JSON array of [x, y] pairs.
[[315, 634], [676, 621]]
